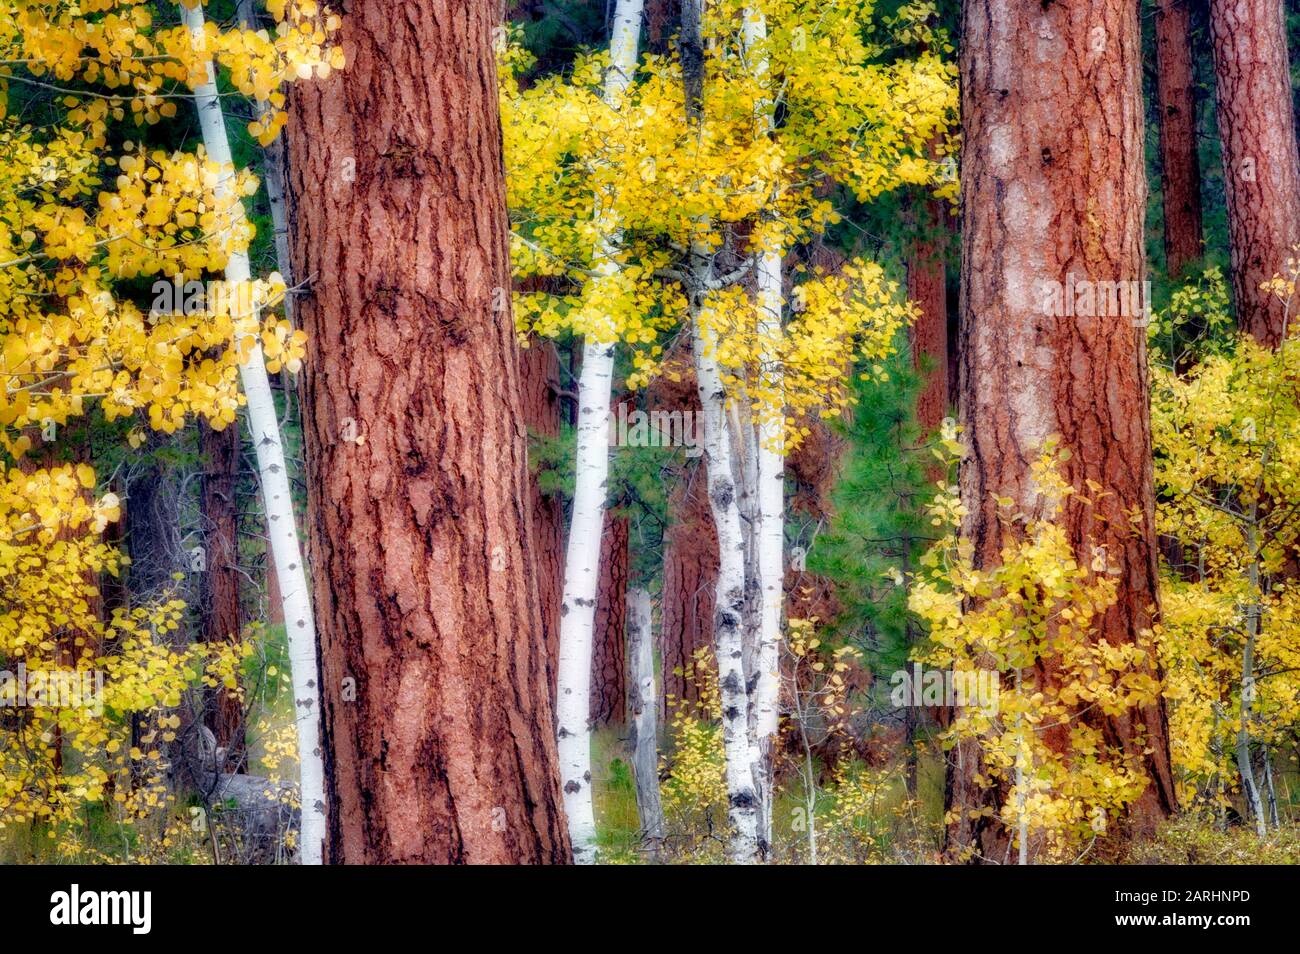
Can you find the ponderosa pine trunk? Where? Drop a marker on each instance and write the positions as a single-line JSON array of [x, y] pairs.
[[608, 667], [1180, 168], [438, 727], [1261, 166], [222, 612], [1053, 185]]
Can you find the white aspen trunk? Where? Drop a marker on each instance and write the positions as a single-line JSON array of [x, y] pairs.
[[643, 708], [769, 293], [278, 500], [582, 558], [729, 609], [1250, 788]]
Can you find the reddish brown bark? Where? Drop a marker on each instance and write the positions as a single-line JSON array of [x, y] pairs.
[[690, 548], [1052, 185], [438, 732], [1261, 168], [927, 288], [690, 578], [608, 669], [1180, 169], [539, 375], [222, 615]]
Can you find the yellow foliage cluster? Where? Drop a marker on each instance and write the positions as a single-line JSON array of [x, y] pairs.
[[1034, 612], [60, 751], [119, 45], [1227, 465], [88, 218], [635, 186], [694, 790]]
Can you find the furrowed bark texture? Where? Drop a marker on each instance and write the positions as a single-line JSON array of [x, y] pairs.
[[1180, 170], [438, 726], [1261, 167], [222, 613], [608, 668], [690, 582], [539, 374], [1053, 184]]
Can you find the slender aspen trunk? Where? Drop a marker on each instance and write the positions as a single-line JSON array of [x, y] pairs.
[[724, 502], [582, 560], [1053, 186], [643, 709], [439, 725], [1249, 786], [1261, 167], [770, 302], [729, 607], [277, 498], [1180, 169]]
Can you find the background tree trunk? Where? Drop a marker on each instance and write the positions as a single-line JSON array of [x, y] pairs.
[[539, 378], [927, 287], [643, 728], [690, 581], [1053, 184], [222, 613], [439, 731], [608, 668], [1261, 168], [1180, 169]]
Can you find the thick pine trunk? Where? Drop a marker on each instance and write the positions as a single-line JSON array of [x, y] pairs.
[[1261, 167], [222, 613], [439, 730], [608, 667], [1180, 170], [1053, 184]]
